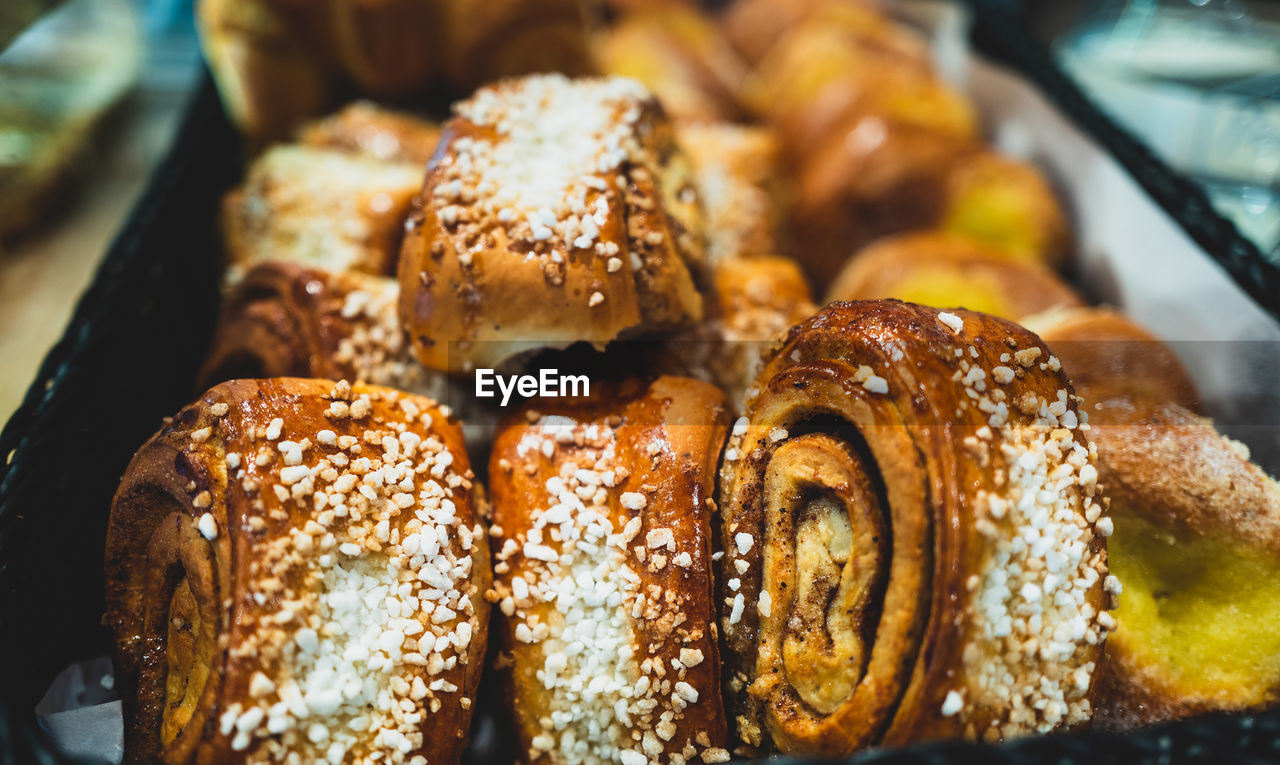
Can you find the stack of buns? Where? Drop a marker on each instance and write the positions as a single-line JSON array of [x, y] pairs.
[[954, 503]]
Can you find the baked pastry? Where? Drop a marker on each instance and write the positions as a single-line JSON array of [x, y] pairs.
[[736, 169], [758, 300], [602, 531], [756, 26], [288, 320], [941, 269], [1008, 204], [558, 211], [278, 62], [1197, 542], [1197, 548], [368, 129], [267, 62], [294, 572], [878, 179], [486, 40], [679, 54], [913, 534], [817, 78], [385, 48], [882, 178], [1110, 358], [329, 209]]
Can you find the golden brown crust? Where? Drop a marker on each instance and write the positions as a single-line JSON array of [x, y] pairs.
[[754, 301], [265, 64], [881, 178], [756, 26], [818, 79], [627, 474], [1108, 356], [387, 48], [839, 635], [486, 40], [679, 54], [366, 128], [319, 207], [278, 62], [942, 270], [287, 320], [1173, 468], [1169, 472], [532, 232], [239, 553]]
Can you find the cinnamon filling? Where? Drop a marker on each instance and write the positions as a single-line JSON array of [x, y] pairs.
[[180, 628], [187, 673], [826, 578]]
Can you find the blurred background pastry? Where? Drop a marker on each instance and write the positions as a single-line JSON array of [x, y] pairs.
[[942, 269], [736, 171], [365, 128], [1110, 357], [277, 63], [677, 52]]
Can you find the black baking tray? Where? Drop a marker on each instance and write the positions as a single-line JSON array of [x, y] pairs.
[[129, 357]]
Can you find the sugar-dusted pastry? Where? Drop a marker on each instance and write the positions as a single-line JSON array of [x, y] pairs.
[[1111, 359], [942, 270], [1197, 532], [679, 54], [736, 168], [295, 572], [914, 537], [557, 211], [602, 510], [1197, 550], [320, 207], [368, 129], [288, 320]]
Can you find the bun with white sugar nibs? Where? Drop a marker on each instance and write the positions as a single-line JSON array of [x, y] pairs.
[[287, 320], [602, 556], [322, 207], [914, 537], [556, 211], [295, 572]]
